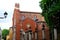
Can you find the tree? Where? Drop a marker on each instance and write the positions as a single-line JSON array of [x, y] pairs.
[[50, 8], [5, 32]]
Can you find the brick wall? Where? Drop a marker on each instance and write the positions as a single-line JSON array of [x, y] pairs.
[[23, 18]]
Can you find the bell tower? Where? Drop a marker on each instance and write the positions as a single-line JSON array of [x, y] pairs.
[[15, 21], [16, 5]]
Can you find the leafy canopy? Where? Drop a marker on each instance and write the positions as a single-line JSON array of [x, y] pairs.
[[49, 8], [5, 32]]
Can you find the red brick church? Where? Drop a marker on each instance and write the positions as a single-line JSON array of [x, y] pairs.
[[23, 21]]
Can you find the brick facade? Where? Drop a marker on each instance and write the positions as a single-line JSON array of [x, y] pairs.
[[22, 18]]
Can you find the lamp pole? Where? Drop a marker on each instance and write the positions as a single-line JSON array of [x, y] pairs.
[[5, 15]]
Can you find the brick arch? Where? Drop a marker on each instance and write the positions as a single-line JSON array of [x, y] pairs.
[[31, 22]]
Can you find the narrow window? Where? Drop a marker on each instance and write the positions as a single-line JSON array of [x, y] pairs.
[[35, 17], [22, 18]]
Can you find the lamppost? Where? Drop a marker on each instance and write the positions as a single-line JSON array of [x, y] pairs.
[[5, 15]]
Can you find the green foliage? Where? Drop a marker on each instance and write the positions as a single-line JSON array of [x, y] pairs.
[[49, 8], [5, 32]]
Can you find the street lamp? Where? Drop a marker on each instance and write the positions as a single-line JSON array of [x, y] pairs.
[[5, 15]]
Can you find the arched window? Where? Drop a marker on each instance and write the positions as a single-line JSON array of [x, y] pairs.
[[22, 17], [35, 17]]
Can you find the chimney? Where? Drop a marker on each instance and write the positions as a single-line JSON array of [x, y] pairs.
[[16, 5]]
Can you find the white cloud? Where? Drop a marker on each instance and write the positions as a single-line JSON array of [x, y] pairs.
[[5, 25], [30, 5], [25, 5]]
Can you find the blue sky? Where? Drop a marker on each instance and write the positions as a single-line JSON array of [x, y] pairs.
[[8, 6]]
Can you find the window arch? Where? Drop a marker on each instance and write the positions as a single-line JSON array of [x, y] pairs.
[[35, 17], [22, 17]]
